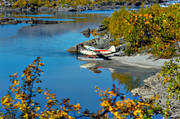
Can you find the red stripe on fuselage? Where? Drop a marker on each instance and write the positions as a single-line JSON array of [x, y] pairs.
[[101, 50]]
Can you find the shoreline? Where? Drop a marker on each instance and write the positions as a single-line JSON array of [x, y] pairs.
[[144, 61], [68, 8], [152, 88]]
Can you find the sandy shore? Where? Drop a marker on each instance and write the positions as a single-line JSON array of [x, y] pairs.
[[144, 61]]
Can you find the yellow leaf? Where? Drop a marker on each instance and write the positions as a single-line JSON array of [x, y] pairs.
[[26, 116], [22, 75], [112, 93], [115, 114], [77, 107], [16, 82], [37, 108]]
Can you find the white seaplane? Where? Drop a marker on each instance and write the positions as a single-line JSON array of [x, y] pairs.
[[91, 51]]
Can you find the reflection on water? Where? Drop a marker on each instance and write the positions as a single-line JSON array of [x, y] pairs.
[[130, 77], [35, 15], [70, 22], [91, 66], [21, 43], [127, 79]]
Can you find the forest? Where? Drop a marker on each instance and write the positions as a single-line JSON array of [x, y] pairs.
[[61, 3]]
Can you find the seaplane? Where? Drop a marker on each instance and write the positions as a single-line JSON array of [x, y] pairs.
[[91, 51]]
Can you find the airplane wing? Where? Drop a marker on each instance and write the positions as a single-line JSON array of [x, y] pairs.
[[89, 47]]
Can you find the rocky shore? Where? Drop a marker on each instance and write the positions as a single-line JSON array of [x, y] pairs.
[[32, 21], [153, 87], [67, 8], [142, 59], [98, 42]]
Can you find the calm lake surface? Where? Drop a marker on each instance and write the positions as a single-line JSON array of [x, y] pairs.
[[20, 44]]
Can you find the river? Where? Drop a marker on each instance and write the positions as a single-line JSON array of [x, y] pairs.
[[63, 75]]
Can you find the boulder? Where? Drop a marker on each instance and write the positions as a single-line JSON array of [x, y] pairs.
[[66, 9], [138, 3], [86, 32], [101, 28], [71, 9], [75, 49], [81, 7], [43, 9]]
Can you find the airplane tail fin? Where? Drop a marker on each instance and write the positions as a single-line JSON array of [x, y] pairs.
[[112, 49]]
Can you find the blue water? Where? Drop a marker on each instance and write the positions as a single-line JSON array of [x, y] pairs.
[[99, 11], [36, 15], [21, 43], [45, 19]]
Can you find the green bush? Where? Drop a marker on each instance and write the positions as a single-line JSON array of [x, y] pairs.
[[171, 74]]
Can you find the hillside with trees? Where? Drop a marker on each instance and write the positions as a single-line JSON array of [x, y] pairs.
[[154, 30], [90, 4]]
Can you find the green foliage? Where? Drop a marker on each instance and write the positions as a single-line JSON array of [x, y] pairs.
[[1, 3], [171, 74], [20, 101], [1, 16], [154, 29]]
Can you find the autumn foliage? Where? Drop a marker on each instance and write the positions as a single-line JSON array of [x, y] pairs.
[[21, 101], [154, 30], [54, 3], [71, 3]]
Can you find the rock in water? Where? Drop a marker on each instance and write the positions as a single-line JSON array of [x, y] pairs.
[[86, 32], [101, 28]]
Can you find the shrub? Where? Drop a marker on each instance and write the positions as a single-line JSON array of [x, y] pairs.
[[170, 73], [154, 29]]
